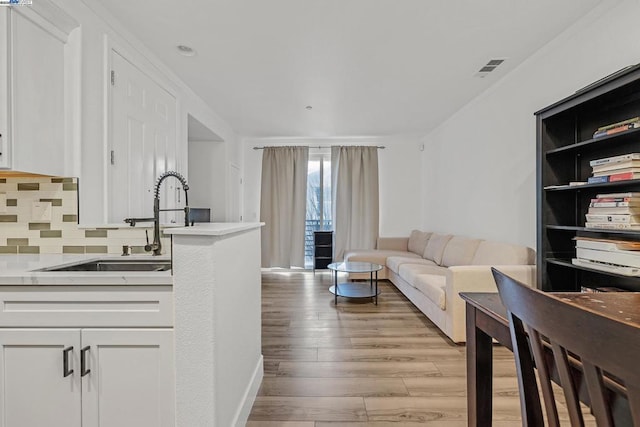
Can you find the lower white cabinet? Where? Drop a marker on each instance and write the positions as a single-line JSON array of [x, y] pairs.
[[87, 377], [105, 359]]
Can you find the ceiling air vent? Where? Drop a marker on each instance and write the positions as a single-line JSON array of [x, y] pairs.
[[489, 67]]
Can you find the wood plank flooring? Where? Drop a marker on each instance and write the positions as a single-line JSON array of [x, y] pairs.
[[358, 364]]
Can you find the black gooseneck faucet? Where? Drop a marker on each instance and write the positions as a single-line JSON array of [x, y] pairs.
[[156, 246]]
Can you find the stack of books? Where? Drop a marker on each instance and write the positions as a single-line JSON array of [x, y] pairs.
[[613, 128], [614, 256], [614, 211], [616, 168]]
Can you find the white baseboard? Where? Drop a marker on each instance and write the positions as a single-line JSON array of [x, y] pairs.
[[249, 397]]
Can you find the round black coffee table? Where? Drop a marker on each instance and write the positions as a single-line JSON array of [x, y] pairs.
[[367, 289]]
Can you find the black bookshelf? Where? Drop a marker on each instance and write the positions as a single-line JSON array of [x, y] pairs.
[[322, 249], [565, 146]]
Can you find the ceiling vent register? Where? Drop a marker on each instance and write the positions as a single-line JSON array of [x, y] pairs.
[[489, 67]]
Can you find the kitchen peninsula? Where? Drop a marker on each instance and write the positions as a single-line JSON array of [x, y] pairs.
[[163, 348], [217, 297]]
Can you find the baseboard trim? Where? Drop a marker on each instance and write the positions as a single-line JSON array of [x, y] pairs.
[[249, 397]]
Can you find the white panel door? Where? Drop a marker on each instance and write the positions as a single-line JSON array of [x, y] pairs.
[[143, 141], [131, 383], [34, 391]]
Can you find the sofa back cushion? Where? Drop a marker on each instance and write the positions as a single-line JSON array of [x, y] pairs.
[[498, 253], [435, 247], [418, 241], [460, 251]]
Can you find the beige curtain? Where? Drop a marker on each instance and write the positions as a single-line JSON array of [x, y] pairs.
[[354, 172], [283, 205]]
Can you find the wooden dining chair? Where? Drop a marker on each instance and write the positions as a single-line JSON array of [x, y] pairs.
[[597, 343]]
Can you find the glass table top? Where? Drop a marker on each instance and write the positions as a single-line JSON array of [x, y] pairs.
[[355, 267]]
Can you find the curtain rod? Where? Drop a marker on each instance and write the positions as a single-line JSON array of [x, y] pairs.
[[381, 147]]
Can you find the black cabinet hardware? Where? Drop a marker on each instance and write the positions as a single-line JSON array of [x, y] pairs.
[[65, 362], [83, 361]]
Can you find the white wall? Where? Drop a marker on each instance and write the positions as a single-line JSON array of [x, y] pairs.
[[207, 177], [98, 29], [479, 165], [399, 175]]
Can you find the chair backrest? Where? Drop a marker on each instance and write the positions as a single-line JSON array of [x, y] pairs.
[[600, 344]]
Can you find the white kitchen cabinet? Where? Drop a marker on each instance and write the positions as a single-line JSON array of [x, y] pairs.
[[34, 390], [36, 87], [131, 383], [116, 376]]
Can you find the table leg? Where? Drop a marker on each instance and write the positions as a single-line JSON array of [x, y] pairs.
[[335, 287], [479, 373], [376, 290]]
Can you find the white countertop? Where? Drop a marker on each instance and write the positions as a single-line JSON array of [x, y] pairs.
[[19, 270], [214, 228]]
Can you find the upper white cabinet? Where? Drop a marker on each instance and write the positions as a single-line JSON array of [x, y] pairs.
[[36, 88], [142, 143]]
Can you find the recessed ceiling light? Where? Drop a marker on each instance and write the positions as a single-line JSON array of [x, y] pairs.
[[186, 50], [308, 107]]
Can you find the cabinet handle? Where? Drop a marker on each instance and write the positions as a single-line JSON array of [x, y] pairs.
[[65, 362], [83, 361]]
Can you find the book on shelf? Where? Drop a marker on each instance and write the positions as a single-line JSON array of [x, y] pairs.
[[630, 204], [615, 218], [597, 179], [610, 268], [612, 131], [615, 159], [620, 123], [617, 195], [606, 244], [627, 259], [601, 210], [616, 165], [625, 176], [634, 170], [612, 225]]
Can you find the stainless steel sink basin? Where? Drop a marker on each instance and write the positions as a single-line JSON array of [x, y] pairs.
[[115, 265]]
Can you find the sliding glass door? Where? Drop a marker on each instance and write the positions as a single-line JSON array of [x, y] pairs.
[[318, 200]]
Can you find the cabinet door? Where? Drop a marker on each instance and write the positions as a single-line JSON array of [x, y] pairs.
[[4, 85], [37, 101], [131, 382], [143, 142], [33, 389]]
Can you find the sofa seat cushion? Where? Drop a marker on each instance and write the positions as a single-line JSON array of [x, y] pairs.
[[433, 287], [394, 262], [376, 256], [409, 272]]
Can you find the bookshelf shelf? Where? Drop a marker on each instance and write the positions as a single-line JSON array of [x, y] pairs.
[[568, 264], [565, 146]]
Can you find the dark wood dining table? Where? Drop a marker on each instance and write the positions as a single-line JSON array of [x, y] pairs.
[[487, 320]]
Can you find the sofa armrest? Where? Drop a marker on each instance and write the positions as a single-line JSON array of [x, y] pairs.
[[393, 243], [477, 278]]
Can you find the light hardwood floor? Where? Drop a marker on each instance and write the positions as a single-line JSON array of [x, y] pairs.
[[358, 364]]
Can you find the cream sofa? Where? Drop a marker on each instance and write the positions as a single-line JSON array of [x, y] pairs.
[[431, 269]]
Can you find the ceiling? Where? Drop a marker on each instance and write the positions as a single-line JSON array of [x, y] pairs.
[[366, 67]]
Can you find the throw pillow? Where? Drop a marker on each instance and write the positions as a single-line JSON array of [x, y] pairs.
[[435, 247], [418, 241]]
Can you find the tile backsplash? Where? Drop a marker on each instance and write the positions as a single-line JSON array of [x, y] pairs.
[[40, 215]]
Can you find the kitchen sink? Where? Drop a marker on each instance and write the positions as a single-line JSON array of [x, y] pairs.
[[114, 265]]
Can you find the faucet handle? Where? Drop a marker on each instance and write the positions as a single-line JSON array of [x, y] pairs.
[[147, 247]]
